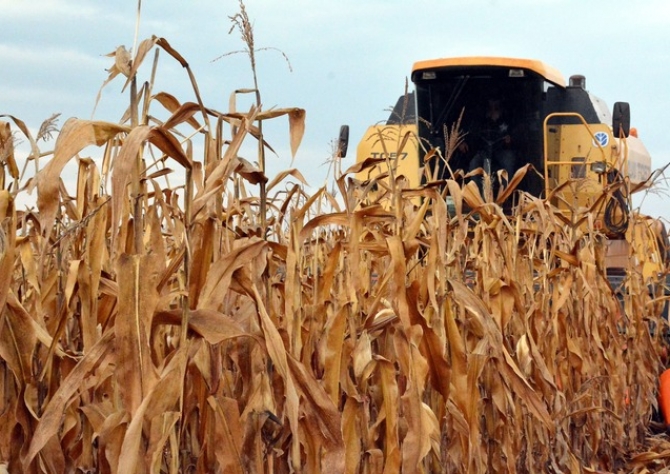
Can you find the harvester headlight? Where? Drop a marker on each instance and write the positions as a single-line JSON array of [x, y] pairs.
[[599, 167]]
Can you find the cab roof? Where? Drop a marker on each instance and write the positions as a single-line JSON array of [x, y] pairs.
[[547, 72]]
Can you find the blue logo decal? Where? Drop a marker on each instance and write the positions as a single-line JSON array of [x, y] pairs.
[[601, 138]]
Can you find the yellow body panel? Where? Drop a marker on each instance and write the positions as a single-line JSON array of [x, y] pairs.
[[571, 152], [397, 146]]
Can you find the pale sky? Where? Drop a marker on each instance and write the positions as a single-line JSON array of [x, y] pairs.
[[349, 59]]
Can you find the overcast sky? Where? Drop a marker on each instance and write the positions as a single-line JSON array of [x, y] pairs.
[[349, 59]]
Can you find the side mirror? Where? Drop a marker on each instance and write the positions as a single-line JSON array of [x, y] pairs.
[[343, 141], [621, 119]]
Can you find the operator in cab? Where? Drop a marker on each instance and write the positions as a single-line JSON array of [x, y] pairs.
[[488, 141]]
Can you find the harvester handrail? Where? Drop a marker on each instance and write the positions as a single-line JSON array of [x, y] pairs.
[[546, 145]]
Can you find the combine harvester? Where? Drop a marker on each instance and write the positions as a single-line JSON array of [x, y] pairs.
[[554, 141]]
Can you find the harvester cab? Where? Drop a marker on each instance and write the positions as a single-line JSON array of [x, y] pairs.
[[502, 122]]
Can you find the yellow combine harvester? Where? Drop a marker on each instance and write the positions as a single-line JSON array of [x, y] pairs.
[[502, 121]]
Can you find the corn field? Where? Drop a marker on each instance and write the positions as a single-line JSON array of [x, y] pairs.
[[181, 313]]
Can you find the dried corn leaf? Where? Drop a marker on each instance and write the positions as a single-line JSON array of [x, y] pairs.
[[157, 400], [74, 137], [138, 299], [328, 418], [7, 149], [180, 113], [49, 424]]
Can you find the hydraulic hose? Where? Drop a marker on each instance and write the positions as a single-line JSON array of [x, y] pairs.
[[617, 224]]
